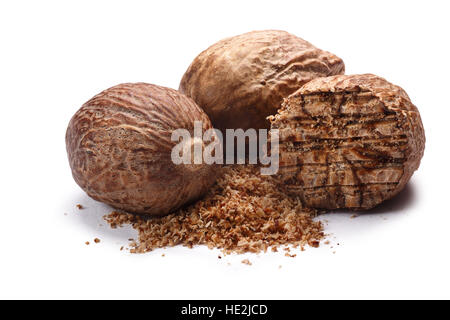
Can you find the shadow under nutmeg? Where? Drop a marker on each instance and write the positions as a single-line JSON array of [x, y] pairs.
[[404, 200], [91, 217], [401, 202]]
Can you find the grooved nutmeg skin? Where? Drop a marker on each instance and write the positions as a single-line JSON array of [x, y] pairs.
[[119, 147], [348, 141], [241, 80]]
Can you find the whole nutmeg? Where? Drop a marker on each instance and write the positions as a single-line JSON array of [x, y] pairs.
[[119, 146], [348, 141], [241, 80]]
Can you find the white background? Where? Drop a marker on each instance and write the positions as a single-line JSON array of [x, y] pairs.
[[55, 55]]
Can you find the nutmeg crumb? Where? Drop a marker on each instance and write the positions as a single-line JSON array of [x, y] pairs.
[[247, 262], [243, 212], [97, 240], [80, 207], [87, 243], [314, 243]]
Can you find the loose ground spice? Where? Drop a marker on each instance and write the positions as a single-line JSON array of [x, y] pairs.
[[243, 212]]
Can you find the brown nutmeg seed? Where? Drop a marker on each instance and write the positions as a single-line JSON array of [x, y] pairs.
[[348, 141], [119, 147], [241, 80]]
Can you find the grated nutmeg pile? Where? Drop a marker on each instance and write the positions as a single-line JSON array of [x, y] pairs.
[[243, 212]]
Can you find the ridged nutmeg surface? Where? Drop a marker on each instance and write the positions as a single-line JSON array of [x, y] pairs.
[[348, 141], [119, 147], [241, 80]]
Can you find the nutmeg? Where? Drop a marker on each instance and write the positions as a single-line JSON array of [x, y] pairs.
[[348, 141], [119, 147], [241, 80]]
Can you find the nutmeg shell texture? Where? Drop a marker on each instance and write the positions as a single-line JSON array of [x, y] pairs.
[[119, 148], [348, 141], [241, 80]]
